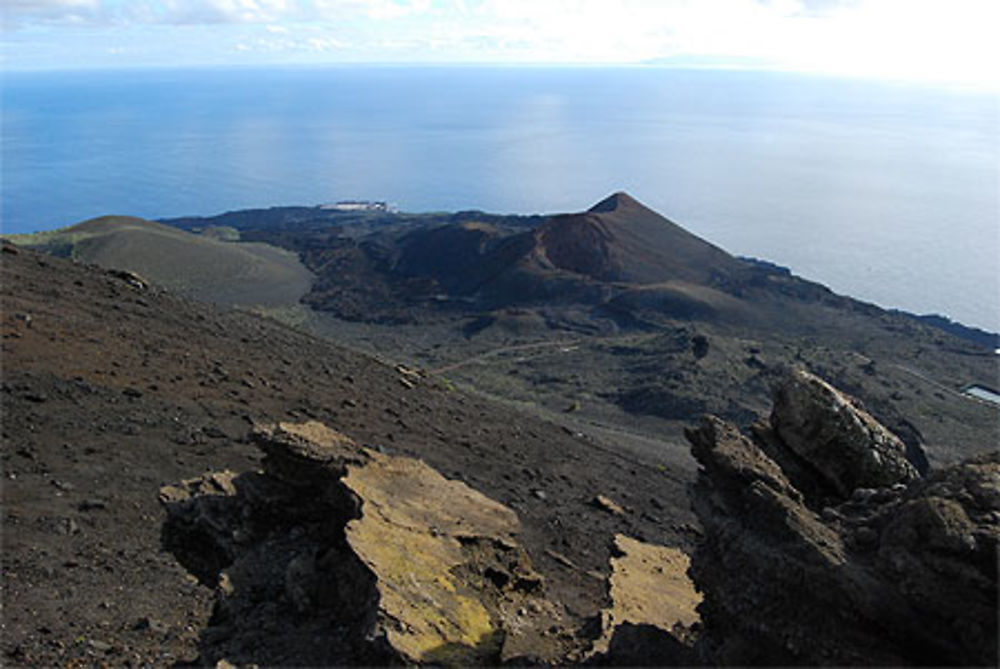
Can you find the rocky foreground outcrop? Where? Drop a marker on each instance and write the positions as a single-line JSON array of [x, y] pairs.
[[339, 554], [370, 557], [823, 545]]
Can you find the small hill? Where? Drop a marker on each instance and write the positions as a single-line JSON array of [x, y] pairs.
[[566, 258], [620, 239], [228, 273], [617, 246]]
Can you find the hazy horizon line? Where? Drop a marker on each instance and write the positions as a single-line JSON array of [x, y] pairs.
[[991, 87]]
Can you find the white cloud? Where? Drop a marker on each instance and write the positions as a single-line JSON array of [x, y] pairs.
[[938, 39], [325, 44], [916, 39], [219, 11], [390, 9], [16, 13], [205, 12]]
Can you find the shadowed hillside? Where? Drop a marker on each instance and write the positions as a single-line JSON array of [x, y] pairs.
[[112, 389]]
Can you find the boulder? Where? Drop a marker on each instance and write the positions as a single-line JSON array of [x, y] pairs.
[[841, 441]]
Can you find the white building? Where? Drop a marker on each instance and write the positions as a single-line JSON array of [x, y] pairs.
[[358, 205]]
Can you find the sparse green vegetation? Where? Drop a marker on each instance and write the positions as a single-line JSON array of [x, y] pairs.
[[226, 272], [293, 315], [49, 240], [224, 233]]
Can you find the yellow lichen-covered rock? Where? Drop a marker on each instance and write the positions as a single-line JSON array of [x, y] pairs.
[[413, 567], [214, 483], [311, 440], [409, 535], [649, 585]]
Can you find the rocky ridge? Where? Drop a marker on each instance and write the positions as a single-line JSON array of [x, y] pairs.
[[842, 554], [406, 566]]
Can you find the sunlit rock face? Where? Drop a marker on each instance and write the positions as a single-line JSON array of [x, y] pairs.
[[653, 617], [380, 557], [841, 440]]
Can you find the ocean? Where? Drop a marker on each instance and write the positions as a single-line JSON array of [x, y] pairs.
[[885, 192]]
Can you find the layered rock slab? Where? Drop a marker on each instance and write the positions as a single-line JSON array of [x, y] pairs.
[[384, 558], [653, 616], [452, 581], [894, 570]]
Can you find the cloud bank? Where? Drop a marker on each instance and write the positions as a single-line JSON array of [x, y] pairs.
[[937, 39]]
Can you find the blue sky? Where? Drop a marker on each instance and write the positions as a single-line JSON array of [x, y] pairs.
[[926, 40]]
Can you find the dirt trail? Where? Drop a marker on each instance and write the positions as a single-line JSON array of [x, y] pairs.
[[481, 357]]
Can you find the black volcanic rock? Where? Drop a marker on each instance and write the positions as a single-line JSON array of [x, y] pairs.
[[842, 442], [459, 257], [897, 575]]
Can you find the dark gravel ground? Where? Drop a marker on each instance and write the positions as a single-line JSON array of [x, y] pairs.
[[110, 391]]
